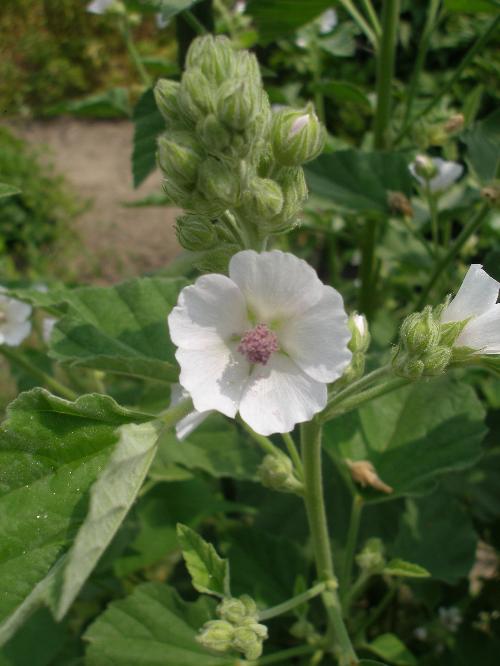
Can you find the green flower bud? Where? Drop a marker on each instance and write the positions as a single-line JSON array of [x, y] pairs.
[[420, 332], [303, 630], [276, 472], [436, 361], [214, 56], [247, 67], [360, 340], [238, 103], [179, 156], [195, 95], [248, 640], [218, 181], [217, 260], [180, 196], [213, 135], [450, 332], [371, 558], [216, 635], [297, 136], [196, 233], [262, 200], [166, 93], [407, 366], [237, 610], [425, 167]]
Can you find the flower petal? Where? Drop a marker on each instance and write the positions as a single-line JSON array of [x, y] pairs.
[[478, 293], [214, 377], [189, 423], [448, 173], [13, 333], [209, 311], [16, 311], [276, 285], [482, 333], [317, 339], [279, 395]]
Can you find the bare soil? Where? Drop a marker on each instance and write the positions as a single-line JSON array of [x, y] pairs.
[[113, 242]]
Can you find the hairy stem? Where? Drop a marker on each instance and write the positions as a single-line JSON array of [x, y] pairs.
[[385, 72], [294, 454], [292, 603], [316, 514], [352, 541], [360, 20], [355, 401], [175, 413], [133, 53], [264, 442]]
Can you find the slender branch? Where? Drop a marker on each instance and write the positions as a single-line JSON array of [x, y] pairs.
[[454, 249], [194, 22], [373, 18], [352, 541], [360, 20], [316, 513], [359, 399], [294, 454], [134, 54], [377, 612], [385, 72], [264, 442], [175, 413], [17, 357], [292, 603], [360, 384], [434, 215]]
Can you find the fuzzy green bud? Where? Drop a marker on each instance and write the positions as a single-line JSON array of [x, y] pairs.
[[407, 366], [248, 639], [371, 558], [166, 93], [437, 360], [217, 260], [297, 136], [425, 167], [196, 95], [180, 196], [213, 135], [238, 103], [179, 156], [276, 472], [196, 233], [262, 200], [217, 635], [420, 332], [237, 610], [214, 56], [216, 180], [247, 67]]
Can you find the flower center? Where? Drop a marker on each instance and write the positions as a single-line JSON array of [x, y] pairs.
[[258, 344]]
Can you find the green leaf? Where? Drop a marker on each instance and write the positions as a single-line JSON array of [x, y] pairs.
[[411, 436], [120, 329], [436, 533], [148, 125], [111, 497], [404, 569], [343, 91], [113, 103], [483, 147], [51, 452], [341, 43], [359, 182], [215, 447], [276, 18], [472, 6], [390, 648], [8, 190], [152, 627], [209, 572]]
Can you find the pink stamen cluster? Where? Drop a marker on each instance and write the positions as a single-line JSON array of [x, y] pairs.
[[258, 344]]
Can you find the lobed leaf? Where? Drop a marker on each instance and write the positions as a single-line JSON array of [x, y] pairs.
[[208, 571]]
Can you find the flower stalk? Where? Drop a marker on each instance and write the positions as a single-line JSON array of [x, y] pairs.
[[292, 603]]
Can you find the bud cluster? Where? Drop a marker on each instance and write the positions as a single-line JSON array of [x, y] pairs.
[[237, 629], [224, 150], [371, 559], [276, 472]]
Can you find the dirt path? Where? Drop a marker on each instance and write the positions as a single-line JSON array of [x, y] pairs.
[[94, 156]]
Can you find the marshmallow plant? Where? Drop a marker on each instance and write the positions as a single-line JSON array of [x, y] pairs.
[[268, 369]]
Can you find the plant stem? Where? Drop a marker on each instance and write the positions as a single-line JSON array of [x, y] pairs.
[[475, 48], [294, 454], [264, 442], [358, 385], [352, 541], [133, 53], [286, 655], [373, 18], [292, 603], [359, 19], [359, 399], [385, 72], [319, 100], [194, 22], [433, 211], [316, 514], [175, 413], [377, 612], [19, 359], [454, 249], [368, 244]]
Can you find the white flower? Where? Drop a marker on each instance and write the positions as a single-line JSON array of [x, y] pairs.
[[47, 328], [264, 341], [99, 6], [477, 301], [186, 425], [14, 320], [327, 21], [359, 321], [446, 173]]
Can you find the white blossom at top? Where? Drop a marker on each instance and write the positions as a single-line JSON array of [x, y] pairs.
[[360, 323], [327, 21], [99, 6], [446, 174], [476, 301], [186, 425], [264, 341], [14, 320]]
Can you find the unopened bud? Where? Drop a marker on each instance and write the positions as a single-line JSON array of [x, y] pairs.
[[399, 204], [217, 260], [218, 181], [237, 610], [214, 56], [238, 103], [248, 639], [247, 67], [213, 135], [425, 167], [276, 472], [437, 360], [216, 635], [297, 136], [371, 558], [360, 335], [420, 332], [179, 156], [455, 123], [166, 93], [407, 366], [195, 95], [364, 473], [262, 200], [178, 195], [195, 233]]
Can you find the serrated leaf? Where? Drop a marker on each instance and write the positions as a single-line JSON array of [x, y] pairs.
[[392, 649], [359, 182], [405, 569], [120, 329], [209, 572], [148, 125], [8, 190], [411, 436], [276, 18], [152, 627], [111, 497], [51, 451], [483, 147]]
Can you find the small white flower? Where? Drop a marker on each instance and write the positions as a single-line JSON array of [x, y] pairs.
[[47, 328], [264, 341], [476, 300], [186, 425], [327, 21], [302, 42], [14, 320], [359, 320], [446, 174]]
